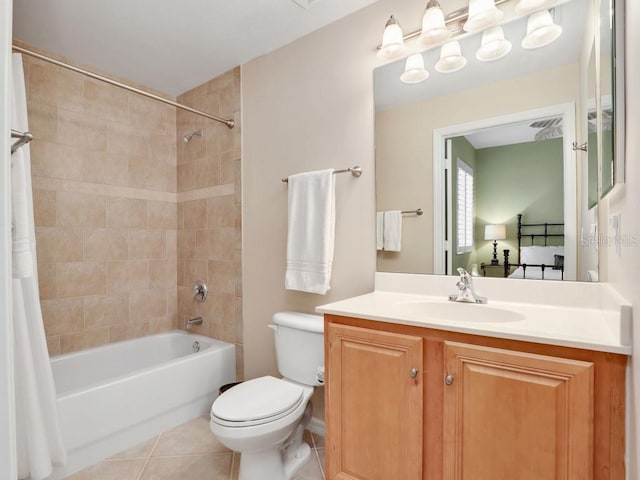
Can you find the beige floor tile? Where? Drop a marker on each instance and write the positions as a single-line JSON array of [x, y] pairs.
[[140, 451], [191, 467], [111, 470], [193, 437]]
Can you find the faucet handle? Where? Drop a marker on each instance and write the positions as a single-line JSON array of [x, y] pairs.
[[465, 277]]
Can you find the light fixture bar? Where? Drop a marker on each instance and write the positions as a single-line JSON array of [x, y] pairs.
[[456, 16]]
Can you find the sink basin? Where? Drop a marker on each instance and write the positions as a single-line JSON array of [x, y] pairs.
[[455, 311]]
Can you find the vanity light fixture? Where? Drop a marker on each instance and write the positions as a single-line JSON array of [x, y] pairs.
[[541, 30], [482, 14], [451, 59], [494, 46], [414, 71], [392, 39], [530, 6], [434, 30]]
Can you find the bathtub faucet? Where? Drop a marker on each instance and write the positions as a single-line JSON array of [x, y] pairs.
[[192, 322]]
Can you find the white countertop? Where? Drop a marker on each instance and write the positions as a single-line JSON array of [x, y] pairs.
[[602, 329]]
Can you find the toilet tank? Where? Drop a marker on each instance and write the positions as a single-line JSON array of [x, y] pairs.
[[299, 339]]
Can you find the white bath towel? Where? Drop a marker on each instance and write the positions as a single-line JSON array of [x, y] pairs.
[[379, 230], [21, 230], [392, 236], [311, 231]]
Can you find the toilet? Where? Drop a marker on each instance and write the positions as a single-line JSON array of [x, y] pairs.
[[264, 418]]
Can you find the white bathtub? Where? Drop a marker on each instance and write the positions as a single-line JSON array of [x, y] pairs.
[[112, 397]]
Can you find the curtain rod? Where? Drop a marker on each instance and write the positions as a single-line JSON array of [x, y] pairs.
[[228, 122]]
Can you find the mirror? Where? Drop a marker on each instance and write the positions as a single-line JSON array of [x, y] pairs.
[[606, 107], [537, 91]]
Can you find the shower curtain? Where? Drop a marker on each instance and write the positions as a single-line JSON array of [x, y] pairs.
[[39, 441]]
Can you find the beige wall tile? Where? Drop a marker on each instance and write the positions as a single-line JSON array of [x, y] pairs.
[[43, 122], [195, 214], [126, 331], [56, 244], [106, 101], [44, 207], [126, 213], [62, 316], [80, 210], [153, 174], [53, 160], [147, 244], [53, 345], [124, 140], [221, 212], [172, 243], [227, 167], [103, 311], [215, 244], [207, 172], [57, 86], [162, 215], [163, 273], [105, 168], [47, 281], [145, 304], [221, 139], [222, 275], [81, 130], [155, 116], [92, 337], [186, 243], [194, 270], [123, 277], [80, 279], [186, 303], [105, 244]]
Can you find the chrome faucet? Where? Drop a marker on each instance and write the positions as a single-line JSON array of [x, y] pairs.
[[466, 294], [192, 322]]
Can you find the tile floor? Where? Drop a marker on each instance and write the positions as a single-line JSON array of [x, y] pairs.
[[188, 452]]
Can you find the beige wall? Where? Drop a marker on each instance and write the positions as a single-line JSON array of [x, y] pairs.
[[209, 211], [401, 140], [104, 177]]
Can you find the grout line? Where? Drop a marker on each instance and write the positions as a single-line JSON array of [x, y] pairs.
[[146, 462], [202, 454]]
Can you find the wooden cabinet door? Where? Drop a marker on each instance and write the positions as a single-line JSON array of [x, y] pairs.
[[516, 416], [374, 401]]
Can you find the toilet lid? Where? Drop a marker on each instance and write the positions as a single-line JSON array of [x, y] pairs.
[[257, 401]]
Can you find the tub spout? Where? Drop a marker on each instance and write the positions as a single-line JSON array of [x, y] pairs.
[[192, 322]]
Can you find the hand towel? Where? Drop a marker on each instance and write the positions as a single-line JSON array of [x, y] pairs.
[[392, 236], [379, 230], [311, 231]]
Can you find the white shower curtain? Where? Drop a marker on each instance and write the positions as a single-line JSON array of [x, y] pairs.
[[39, 441]]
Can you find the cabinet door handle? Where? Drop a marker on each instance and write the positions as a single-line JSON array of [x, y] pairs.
[[448, 379], [413, 373]]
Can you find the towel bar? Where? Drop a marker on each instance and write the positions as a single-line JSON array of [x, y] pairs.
[[355, 171]]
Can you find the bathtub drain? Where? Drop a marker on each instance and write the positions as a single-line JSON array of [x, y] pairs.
[[196, 346]]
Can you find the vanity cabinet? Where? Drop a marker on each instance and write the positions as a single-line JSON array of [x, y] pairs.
[[376, 404], [515, 415], [479, 408]]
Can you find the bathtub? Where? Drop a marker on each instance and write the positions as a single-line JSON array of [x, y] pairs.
[[115, 396]]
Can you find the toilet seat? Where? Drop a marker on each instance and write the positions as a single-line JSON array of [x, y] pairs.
[[255, 402]]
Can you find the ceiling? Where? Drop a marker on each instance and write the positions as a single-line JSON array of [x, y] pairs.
[[171, 46]]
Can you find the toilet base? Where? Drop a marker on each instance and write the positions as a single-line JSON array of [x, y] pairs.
[[269, 464]]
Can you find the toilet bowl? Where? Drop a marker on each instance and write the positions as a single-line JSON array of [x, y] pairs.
[[264, 418]]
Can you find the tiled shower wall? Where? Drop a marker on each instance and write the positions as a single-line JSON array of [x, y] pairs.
[[114, 236], [104, 178], [209, 211]]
